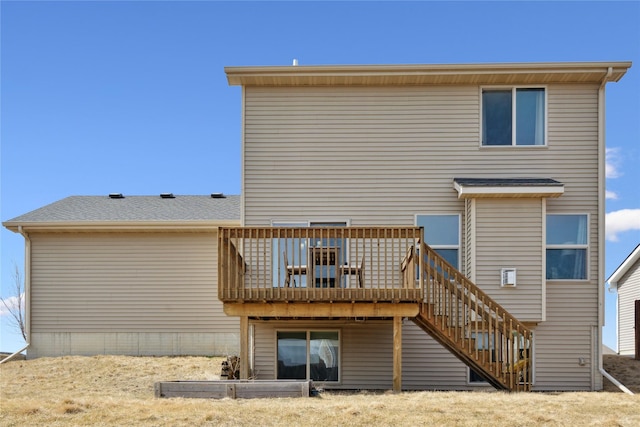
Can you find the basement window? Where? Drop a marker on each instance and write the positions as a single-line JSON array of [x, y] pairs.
[[482, 343]]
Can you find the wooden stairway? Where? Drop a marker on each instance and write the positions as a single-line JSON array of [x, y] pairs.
[[467, 322]]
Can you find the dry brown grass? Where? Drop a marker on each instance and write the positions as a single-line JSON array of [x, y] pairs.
[[118, 390]]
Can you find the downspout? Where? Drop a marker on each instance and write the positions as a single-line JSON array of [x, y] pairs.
[[601, 224], [27, 294], [614, 381]]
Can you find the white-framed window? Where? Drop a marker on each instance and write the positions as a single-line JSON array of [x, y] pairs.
[[442, 234], [308, 355], [567, 246], [514, 116]]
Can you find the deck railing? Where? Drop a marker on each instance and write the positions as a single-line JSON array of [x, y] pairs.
[[272, 264], [470, 323]]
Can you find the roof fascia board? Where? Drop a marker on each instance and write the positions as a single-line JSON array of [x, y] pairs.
[[324, 74], [623, 268], [120, 225]]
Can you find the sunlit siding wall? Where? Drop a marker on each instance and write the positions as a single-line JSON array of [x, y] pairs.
[[366, 351], [426, 365], [628, 293], [127, 293], [379, 155], [509, 235], [367, 355]]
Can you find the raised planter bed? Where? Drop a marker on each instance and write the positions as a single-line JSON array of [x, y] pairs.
[[234, 389]]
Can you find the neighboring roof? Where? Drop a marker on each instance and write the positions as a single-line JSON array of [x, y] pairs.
[[624, 268], [507, 187], [132, 211], [428, 74]]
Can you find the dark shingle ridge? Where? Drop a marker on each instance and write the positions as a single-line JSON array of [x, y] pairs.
[[134, 208]]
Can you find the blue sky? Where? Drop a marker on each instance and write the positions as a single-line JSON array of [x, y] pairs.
[[131, 97]]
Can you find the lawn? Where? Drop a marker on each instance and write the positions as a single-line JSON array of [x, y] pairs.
[[118, 390]]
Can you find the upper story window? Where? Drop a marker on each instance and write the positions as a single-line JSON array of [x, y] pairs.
[[514, 116], [567, 244]]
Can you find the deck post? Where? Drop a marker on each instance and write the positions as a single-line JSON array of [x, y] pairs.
[[244, 347], [397, 354]]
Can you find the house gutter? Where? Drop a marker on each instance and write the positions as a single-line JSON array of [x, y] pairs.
[[27, 294], [601, 224]]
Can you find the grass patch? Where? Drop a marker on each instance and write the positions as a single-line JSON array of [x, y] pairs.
[[118, 390]]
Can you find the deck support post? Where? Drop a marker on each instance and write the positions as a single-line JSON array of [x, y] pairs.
[[244, 347], [397, 354]]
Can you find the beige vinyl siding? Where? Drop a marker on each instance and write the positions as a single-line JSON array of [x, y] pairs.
[[509, 235], [367, 355], [379, 155], [565, 337], [143, 293], [426, 365], [469, 241], [628, 293]]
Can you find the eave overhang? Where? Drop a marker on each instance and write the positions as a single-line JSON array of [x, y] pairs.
[[429, 74], [624, 268], [507, 187], [105, 226]]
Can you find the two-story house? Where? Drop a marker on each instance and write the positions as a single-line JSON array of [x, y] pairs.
[[402, 226], [347, 171]]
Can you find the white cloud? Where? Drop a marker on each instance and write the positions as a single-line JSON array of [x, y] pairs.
[[12, 302], [611, 195], [621, 221], [612, 162]]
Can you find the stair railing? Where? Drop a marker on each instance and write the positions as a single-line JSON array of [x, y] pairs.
[[475, 327]]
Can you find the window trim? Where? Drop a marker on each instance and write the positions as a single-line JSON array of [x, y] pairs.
[[585, 246], [308, 332], [436, 247], [513, 117]]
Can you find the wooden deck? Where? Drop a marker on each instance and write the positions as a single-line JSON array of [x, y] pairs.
[[374, 272], [291, 295], [332, 264]]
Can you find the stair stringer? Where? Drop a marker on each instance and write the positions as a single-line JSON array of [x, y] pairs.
[[438, 335], [455, 309]]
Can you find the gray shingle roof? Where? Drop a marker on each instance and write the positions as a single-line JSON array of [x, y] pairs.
[[507, 182], [88, 209]]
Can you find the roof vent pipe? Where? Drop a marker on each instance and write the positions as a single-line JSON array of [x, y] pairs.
[[295, 62]]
